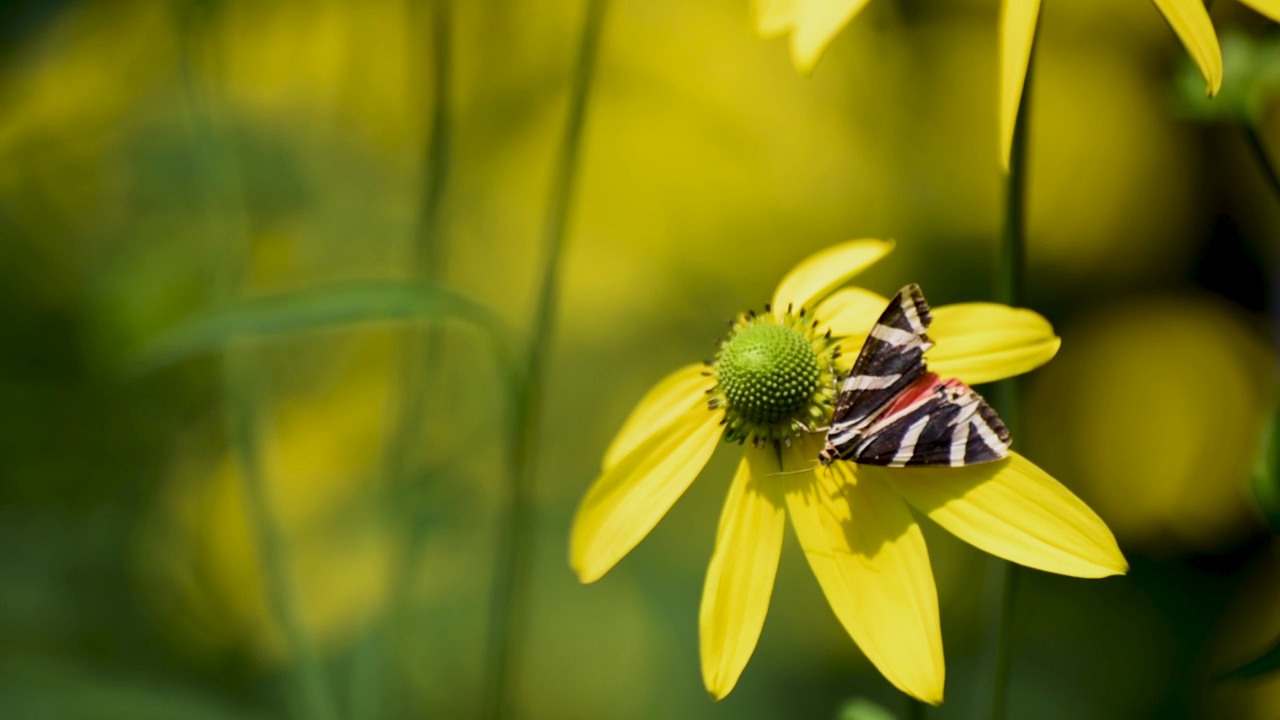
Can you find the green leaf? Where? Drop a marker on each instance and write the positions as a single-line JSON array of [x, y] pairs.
[[310, 309]]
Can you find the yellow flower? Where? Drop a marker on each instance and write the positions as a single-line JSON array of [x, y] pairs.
[[813, 24], [775, 376]]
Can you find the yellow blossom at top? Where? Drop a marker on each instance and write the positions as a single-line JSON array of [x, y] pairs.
[[814, 23], [771, 385]]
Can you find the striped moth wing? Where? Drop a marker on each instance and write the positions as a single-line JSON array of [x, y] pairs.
[[892, 411]]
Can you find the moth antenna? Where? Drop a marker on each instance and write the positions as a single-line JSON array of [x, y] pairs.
[[795, 472]]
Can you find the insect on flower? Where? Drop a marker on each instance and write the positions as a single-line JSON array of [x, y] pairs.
[[896, 437], [892, 411]]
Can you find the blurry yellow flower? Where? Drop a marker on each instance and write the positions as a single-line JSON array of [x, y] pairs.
[[814, 23], [775, 376]]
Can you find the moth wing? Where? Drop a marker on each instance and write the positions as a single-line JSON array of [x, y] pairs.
[[891, 359], [952, 426]]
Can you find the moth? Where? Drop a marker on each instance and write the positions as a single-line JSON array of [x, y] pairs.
[[892, 411]]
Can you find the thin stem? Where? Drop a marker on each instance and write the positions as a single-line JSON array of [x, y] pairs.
[[242, 386], [419, 361], [509, 601], [914, 709], [226, 239], [1009, 288]]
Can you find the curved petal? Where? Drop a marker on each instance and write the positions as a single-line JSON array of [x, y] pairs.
[[850, 311], [1190, 20], [817, 22], [1270, 8], [735, 598], [983, 342], [817, 275], [774, 16], [673, 396], [1014, 510], [870, 558], [1017, 35], [632, 496]]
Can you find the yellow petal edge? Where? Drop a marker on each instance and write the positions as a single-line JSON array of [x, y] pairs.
[[629, 499], [673, 396], [1017, 34], [815, 277], [1190, 21], [985, 342], [1014, 510], [870, 559], [735, 598]]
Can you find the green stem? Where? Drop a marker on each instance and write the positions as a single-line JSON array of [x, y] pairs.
[[242, 386], [1009, 288], [914, 709], [509, 601], [227, 242], [419, 360]]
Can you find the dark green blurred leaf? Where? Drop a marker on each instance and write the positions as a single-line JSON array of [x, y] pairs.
[[1251, 79], [37, 688], [317, 308]]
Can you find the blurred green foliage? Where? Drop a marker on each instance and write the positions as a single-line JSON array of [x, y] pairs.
[[129, 585]]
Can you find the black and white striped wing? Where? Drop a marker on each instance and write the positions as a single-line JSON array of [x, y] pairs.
[[948, 425], [891, 359]]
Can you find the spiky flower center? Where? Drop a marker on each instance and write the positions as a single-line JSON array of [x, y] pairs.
[[775, 377], [768, 373]]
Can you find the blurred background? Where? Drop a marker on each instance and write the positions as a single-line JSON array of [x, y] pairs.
[[129, 580]]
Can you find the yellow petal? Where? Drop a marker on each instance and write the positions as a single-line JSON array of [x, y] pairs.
[[816, 23], [674, 395], [774, 16], [870, 559], [983, 342], [1270, 8], [1017, 34], [850, 311], [819, 274], [1190, 20], [632, 496], [735, 598], [1014, 510]]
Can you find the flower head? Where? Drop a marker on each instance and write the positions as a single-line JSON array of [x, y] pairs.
[[770, 385]]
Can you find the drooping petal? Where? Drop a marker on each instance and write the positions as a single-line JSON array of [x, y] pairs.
[[674, 395], [817, 22], [819, 274], [850, 311], [632, 496], [1014, 510], [775, 16], [1190, 20], [1017, 34], [1270, 8], [735, 598], [870, 558], [983, 342]]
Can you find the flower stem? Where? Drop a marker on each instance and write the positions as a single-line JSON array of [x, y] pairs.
[[1268, 167], [227, 243], [419, 359], [1009, 288], [509, 600], [914, 709]]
